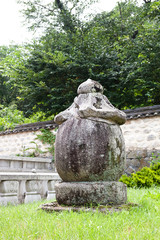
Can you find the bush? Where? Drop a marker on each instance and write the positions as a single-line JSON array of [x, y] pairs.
[[47, 137], [146, 177]]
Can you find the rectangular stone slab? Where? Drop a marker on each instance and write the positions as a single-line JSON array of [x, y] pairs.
[[91, 193]]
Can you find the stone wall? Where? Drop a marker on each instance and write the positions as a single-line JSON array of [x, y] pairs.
[[142, 137], [23, 144], [22, 140], [141, 133]]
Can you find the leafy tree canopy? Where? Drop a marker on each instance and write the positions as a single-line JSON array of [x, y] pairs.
[[120, 49]]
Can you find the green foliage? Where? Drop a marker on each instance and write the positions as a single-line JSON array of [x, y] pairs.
[[126, 179], [10, 117], [146, 177], [154, 196], [155, 159], [59, 14], [36, 151], [47, 137], [120, 49]]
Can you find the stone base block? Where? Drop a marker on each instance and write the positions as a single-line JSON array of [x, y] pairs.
[[51, 195], [55, 207], [8, 198], [91, 193], [32, 197]]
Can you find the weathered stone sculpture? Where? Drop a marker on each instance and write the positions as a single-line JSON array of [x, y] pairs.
[[89, 150]]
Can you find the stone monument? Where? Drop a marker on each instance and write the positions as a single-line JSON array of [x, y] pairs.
[[90, 150]]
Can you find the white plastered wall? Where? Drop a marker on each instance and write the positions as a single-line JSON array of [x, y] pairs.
[[139, 134]]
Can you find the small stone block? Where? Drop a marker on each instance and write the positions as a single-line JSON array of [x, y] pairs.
[[16, 164], [30, 165], [51, 185], [51, 195], [34, 185], [4, 163], [9, 186], [32, 197], [8, 198]]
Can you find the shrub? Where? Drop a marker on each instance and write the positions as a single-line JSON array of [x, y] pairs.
[[155, 159], [146, 177], [47, 137]]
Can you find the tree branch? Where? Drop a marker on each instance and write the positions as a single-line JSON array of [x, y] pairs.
[[120, 11]]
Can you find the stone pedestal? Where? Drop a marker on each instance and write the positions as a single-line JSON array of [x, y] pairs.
[[91, 193]]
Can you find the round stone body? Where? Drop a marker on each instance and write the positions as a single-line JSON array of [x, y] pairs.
[[87, 150]]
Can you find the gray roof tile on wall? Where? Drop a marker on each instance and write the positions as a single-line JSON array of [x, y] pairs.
[[136, 113], [143, 112]]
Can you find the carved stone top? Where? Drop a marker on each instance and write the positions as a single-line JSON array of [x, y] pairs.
[[90, 86], [92, 104]]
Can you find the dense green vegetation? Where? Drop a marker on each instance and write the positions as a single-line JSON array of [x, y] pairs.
[[120, 49], [140, 222], [11, 116], [146, 177]]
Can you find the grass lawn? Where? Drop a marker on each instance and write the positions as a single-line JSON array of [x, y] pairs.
[[140, 223]]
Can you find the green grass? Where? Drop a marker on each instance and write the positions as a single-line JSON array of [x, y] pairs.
[[140, 223]]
